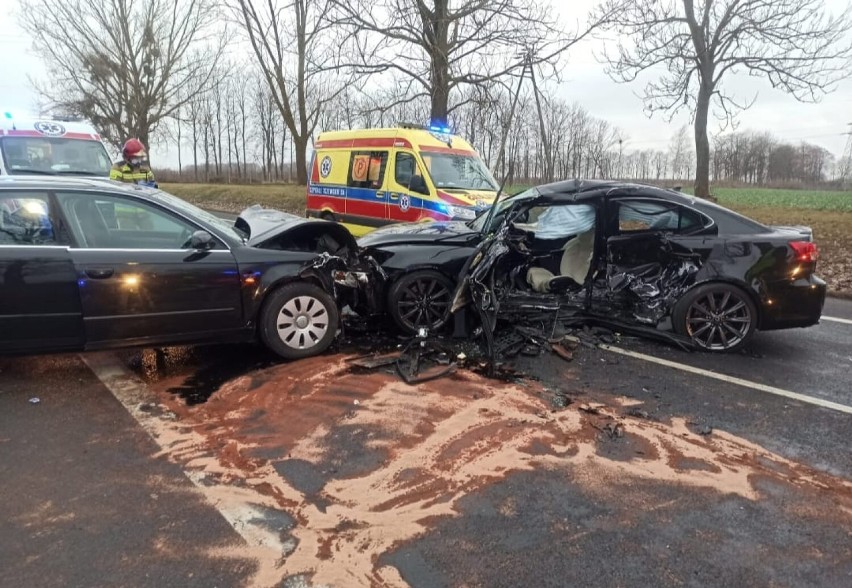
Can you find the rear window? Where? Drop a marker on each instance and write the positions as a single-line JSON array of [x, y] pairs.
[[367, 169], [731, 223]]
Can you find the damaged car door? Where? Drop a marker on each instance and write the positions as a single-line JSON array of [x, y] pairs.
[[535, 265], [654, 251]]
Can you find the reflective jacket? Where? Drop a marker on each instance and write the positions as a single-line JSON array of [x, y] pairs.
[[123, 172]]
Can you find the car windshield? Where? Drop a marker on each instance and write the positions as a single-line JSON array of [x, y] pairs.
[[460, 172], [54, 156], [193, 211], [502, 207]]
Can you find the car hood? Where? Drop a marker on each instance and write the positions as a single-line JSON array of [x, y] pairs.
[[265, 224], [425, 232]]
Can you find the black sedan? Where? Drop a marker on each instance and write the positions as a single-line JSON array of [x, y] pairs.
[[604, 252], [93, 264]]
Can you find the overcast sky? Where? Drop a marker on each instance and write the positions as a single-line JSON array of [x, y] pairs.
[[584, 81]]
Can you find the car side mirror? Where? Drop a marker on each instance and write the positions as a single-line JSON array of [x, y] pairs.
[[202, 241], [418, 184]]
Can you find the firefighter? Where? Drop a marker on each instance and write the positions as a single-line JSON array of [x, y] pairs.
[[134, 168]]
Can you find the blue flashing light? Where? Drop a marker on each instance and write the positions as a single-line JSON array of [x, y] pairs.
[[440, 129], [8, 115]]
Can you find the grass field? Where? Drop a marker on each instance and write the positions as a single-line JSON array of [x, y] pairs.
[[770, 197], [828, 213]]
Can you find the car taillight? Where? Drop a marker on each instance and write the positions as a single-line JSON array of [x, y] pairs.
[[805, 251]]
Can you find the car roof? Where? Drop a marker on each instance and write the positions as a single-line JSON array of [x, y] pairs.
[[403, 136], [38, 182], [578, 189]]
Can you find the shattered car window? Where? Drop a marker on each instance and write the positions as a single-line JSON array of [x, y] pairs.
[[486, 222]]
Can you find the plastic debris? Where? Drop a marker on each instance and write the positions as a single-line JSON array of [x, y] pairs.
[[376, 360], [35, 400]]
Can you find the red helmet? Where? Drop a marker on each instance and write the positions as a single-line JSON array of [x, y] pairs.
[[133, 148]]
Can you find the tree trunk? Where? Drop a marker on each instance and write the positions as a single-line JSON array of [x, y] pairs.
[[440, 75], [180, 162], [702, 144]]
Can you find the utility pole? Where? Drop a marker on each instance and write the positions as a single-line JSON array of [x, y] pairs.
[[846, 162], [508, 123], [545, 137]]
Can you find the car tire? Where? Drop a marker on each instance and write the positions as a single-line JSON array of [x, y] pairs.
[[421, 299], [326, 215], [298, 320], [717, 317]]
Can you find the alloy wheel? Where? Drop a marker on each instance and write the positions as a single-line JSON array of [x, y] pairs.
[[424, 304], [718, 320]]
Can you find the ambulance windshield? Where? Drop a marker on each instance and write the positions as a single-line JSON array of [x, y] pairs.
[[460, 172], [54, 156]]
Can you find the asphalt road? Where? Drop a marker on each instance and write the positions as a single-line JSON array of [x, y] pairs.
[[89, 499], [85, 501]]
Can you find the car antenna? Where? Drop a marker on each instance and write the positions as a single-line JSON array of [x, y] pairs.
[[527, 62]]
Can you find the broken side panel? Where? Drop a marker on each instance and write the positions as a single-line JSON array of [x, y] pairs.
[[646, 274]]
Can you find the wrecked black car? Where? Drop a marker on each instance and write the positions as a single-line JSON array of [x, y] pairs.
[[93, 264], [630, 257]]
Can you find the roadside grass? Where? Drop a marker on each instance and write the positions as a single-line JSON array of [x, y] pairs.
[[236, 197], [829, 214]]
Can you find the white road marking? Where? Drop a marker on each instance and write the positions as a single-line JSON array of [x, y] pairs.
[[731, 379], [246, 517], [834, 319]]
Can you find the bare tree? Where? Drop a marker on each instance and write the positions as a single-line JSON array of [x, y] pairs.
[[122, 64], [795, 44], [437, 46], [295, 51], [680, 154]]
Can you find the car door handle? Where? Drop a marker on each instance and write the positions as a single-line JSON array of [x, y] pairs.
[[99, 273], [394, 196], [380, 194]]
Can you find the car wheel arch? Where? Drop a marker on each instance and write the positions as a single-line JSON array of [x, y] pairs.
[[329, 329], [722, 328], [755, 299]]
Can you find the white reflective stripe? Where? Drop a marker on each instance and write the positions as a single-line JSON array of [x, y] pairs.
[[729, 379], [836, 320], [147, 250]]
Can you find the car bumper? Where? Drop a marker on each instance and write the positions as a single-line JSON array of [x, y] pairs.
[[787, 305]]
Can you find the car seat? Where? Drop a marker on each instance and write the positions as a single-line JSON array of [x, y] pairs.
[[573, 267]]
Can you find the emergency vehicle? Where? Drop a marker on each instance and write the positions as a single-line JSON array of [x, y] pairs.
[[372, 177], [41, 146]]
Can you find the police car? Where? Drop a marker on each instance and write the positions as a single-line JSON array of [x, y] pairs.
[[39, 146]]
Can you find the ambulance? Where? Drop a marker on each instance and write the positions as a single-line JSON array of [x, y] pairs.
[[41, 146], [372, 177]]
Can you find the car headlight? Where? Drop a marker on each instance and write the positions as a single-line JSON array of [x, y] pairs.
[[461, 213]]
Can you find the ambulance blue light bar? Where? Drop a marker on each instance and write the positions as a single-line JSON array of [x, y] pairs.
[[440, 129]]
